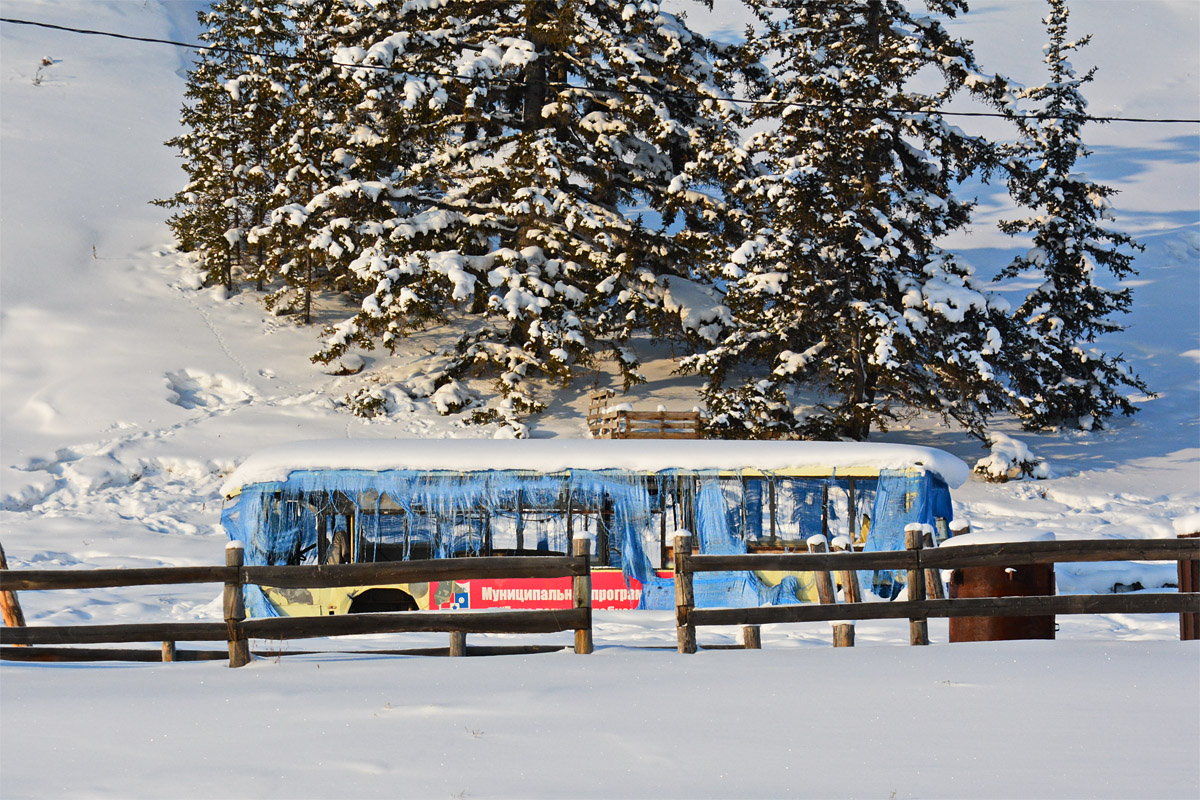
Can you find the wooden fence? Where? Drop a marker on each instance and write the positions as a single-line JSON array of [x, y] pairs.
[[237, 630], [917, 608], [607, 422], [921, 565]]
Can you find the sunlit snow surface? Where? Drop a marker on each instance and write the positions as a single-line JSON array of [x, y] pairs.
[[127, 398]]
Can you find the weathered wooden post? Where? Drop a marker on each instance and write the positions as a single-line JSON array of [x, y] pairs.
[[843, 632], [10, 606], [685, 597], [1189, 581], [582, 585], [235, 607], [848, 578], [458, 644], [818, 544], [918, 627], [934, 588], [168, 652], [752, 637]]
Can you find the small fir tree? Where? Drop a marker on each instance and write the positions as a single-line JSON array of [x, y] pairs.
[[1060, 379]]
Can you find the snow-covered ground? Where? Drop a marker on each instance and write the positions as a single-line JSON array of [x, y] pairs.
[[127, 397]]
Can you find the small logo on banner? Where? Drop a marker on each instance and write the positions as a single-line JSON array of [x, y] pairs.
[[461, 600]]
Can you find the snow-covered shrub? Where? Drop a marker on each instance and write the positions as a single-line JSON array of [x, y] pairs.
[[368, 401], [1010, 459]]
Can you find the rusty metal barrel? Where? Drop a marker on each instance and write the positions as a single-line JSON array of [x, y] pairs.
[[1018, 580], [1189, 581]]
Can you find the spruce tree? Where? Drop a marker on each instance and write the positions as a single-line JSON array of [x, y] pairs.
[[1061, 379], [534, 126], [846, 311], [229, 137]]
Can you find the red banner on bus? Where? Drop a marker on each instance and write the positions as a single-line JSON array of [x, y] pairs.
[[610, 590]]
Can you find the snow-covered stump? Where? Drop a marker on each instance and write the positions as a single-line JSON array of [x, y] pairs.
[[685, 595], [582, 585], [918, 629], [235, 608]]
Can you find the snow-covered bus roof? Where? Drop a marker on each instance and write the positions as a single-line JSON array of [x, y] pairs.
[[558, 455]]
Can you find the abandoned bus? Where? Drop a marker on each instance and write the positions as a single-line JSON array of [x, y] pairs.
[[353, 501]]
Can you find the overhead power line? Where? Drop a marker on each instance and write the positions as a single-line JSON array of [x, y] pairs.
[[639, 92]]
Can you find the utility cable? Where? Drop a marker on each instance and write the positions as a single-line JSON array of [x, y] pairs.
[[601, 90]]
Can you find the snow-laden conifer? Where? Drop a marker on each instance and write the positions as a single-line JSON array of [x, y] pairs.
[[231, 121], [536, 128], [846, 311], [1060, 378]]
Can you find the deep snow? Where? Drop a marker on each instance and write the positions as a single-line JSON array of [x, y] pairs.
[[127, 398]]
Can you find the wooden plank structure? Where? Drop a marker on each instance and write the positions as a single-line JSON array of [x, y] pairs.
[[608, 422]]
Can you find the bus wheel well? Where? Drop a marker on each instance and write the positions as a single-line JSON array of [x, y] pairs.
[[375, 600]]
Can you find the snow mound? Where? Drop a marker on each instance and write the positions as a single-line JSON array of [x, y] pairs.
[[195, 389]]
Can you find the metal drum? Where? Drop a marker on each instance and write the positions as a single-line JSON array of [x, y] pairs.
[[1019, 581]]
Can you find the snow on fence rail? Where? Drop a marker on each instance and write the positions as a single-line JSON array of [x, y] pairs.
[[915, 560], [237, 630]]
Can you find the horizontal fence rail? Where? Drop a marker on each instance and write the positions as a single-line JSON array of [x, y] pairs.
[[236, 629], [958, 556], [303, 577], [919, 562], [304, 627], [1158, 603]]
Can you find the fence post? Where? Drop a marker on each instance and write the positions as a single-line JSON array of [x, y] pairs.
[[168, 652], [458, 644], [582, 585], [685, 597], [848, 578], [843, 632], [918, 628], [817, 544], [934, 588], [752, 637], [10, 606], [235, 608], [1189, 581]]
